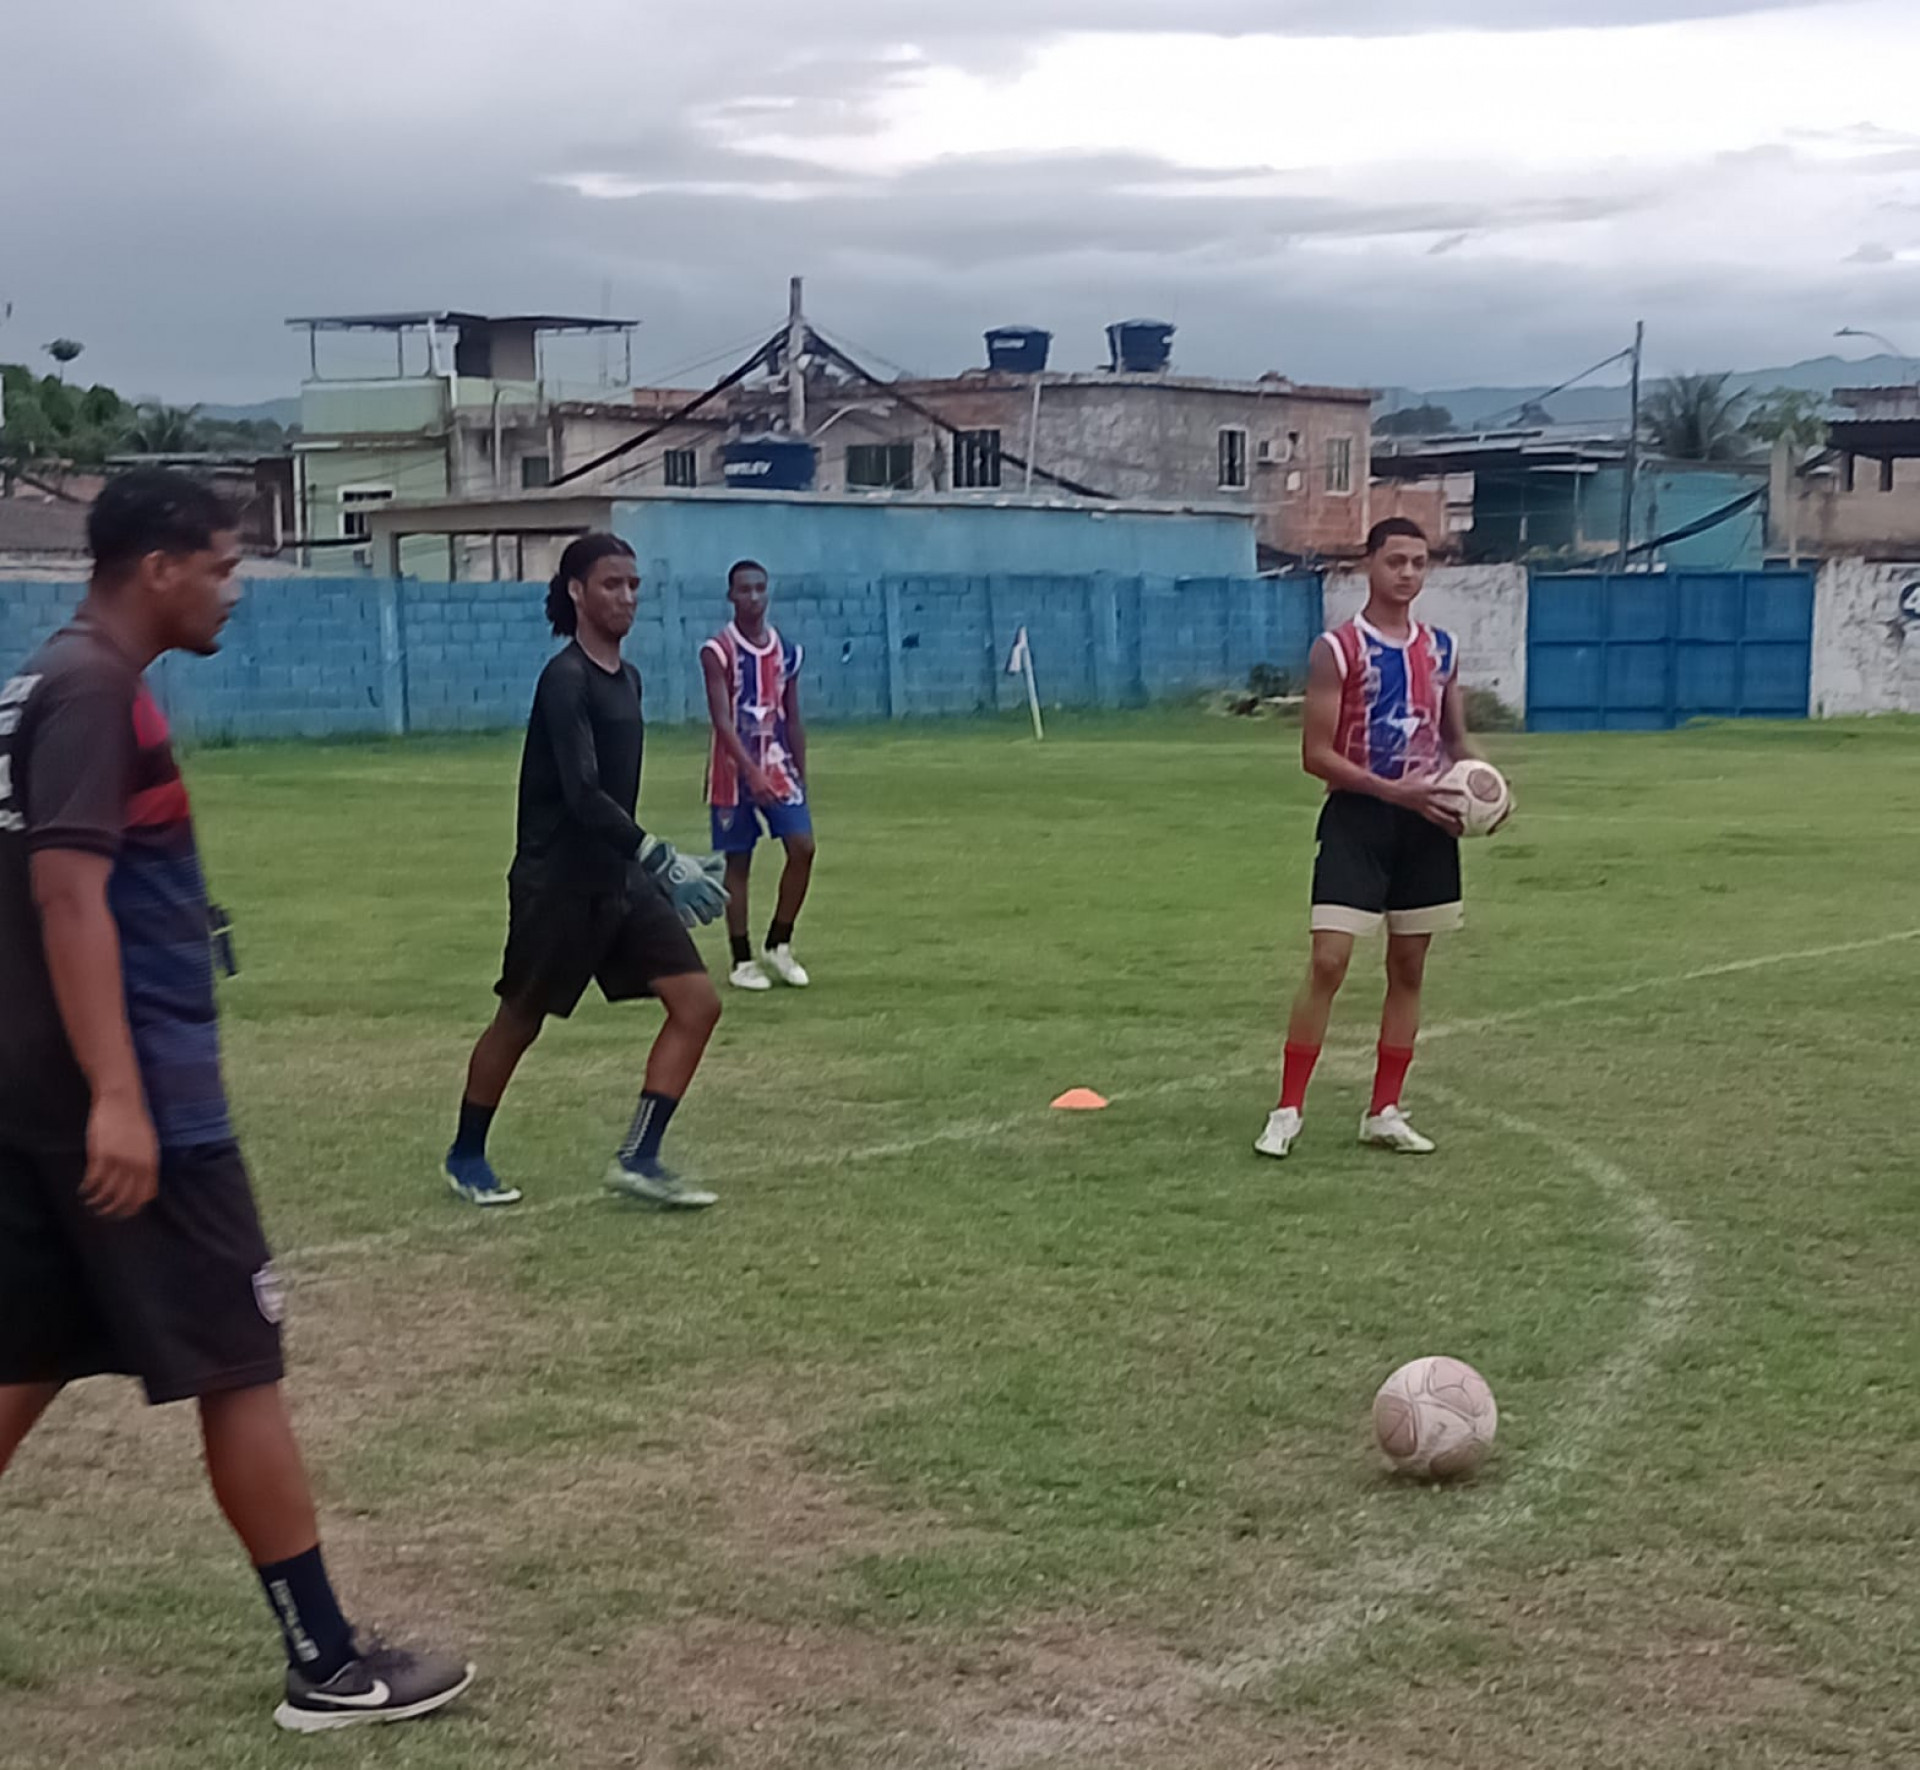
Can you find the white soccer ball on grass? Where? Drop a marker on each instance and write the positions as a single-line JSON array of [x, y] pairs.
[[1435, 1418]]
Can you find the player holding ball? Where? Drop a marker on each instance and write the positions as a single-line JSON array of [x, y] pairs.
[[1385, 720]]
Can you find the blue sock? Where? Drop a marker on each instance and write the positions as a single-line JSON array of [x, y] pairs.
[[650, 1121], [470, 1141], [319, 1639]]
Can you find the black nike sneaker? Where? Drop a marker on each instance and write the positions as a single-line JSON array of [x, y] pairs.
[[383, 1684]]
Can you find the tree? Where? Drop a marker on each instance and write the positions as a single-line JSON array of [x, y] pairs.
[[1425, 420], [52, 425], [64, 351], [1792, 416], [1695, 418], [160, 429]]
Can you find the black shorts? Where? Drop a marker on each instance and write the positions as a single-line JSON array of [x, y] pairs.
[[559, 940], [1381, 863], [182, 1296]]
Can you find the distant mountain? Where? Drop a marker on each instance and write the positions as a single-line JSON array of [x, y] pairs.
[[283, 412], [1485, 407]]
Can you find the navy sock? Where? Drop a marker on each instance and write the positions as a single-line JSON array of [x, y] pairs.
[[780, 934], [471, 1138], [742, 949], [650, 1121], [319, 1639]]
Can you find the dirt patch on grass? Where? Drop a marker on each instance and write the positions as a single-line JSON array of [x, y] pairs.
[[97, 1717], [732, 1694]]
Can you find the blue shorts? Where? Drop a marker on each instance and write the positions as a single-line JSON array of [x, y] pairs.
[[736, 828]]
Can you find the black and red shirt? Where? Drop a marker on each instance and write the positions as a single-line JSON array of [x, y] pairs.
[[86, 764]]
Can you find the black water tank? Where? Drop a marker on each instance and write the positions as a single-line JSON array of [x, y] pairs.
[[1018, 350], [1140, 347], [771, 463]]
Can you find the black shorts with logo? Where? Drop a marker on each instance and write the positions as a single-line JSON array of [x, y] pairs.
[[1381, 863], [183, 1296], [560, 939]]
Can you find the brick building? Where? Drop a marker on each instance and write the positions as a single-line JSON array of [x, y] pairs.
[[1296, 456]]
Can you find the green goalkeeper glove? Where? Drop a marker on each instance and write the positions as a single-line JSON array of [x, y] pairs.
[[692, 885]]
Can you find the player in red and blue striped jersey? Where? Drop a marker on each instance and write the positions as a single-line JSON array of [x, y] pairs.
[[757, 773], [1384, 721]]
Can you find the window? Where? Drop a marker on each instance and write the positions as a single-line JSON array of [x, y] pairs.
[[976, 460], [1846, 472], [683, 468], [1340, 464], [1886, 474], [536, 471], [1233, 460], [880, 467], [354, 501]]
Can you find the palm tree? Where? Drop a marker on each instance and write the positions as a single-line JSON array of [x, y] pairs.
[[1695, 418], [64, 351], [160, 429]]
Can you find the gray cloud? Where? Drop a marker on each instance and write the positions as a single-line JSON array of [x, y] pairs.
[[207, 178]]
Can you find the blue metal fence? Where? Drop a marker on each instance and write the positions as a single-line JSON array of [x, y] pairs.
[[315, 657], [1649, 651]]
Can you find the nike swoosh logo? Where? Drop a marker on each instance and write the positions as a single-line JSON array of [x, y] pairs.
[[375, 1698]]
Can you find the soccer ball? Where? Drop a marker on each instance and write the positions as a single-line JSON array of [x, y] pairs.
[[1435, 1417], [1482, 791]]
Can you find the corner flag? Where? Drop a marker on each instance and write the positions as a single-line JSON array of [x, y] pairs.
[[1020, 663]]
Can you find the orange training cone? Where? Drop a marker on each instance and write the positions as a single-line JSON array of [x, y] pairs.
[[1080, 1100]]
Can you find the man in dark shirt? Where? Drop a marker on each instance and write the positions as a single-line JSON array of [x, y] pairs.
[[129, 1241], [591, 896]]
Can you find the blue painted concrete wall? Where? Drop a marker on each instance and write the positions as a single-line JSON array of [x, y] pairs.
[[319, 657], [696, 537]]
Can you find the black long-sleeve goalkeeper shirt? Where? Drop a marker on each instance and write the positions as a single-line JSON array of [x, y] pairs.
[[580, 777]]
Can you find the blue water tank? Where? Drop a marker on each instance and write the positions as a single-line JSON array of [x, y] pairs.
[[1140, 347], [771, 463], [1018, 350]]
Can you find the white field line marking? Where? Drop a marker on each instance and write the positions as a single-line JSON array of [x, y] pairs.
[[470, 1222], [986, 1130], [1376, 1583], [1623, 992]]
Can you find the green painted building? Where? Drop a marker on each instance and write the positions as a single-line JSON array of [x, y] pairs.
[[465, 410]]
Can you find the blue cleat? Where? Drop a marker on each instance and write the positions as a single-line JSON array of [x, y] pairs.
[[473, 1179]]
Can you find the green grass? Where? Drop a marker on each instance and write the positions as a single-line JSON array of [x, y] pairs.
[[1043, 1441]]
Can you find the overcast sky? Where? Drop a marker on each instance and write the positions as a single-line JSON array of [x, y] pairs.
[[1427, 192]]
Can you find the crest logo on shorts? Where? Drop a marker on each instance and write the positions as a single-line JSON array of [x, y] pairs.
[[270, 1295]]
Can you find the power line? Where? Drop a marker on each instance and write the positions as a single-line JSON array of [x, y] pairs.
[[732, 379], [913, 405], [661, 376], [1540, 399], [868, 350]]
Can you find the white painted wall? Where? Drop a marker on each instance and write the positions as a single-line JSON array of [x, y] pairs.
[[1484, 607], [1866, 653]]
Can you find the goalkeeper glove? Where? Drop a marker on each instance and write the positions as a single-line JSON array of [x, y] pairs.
[[692, 885]]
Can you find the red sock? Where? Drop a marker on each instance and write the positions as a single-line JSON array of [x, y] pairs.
[[1295, 1073], [1389, 1078]]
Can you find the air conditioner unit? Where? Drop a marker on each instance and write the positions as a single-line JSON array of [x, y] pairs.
[[1268, 454]]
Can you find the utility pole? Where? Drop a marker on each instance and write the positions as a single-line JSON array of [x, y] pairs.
[[796, 348], [1633, 451]]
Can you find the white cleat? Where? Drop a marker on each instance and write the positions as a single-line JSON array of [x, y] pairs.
[[1283, 1126], [780, 960], [1390, 1130], [748, 975]]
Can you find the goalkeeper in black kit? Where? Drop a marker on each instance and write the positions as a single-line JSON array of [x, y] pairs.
[[591, 896]]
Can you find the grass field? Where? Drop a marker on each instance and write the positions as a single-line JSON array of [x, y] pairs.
[[964, 1434]]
